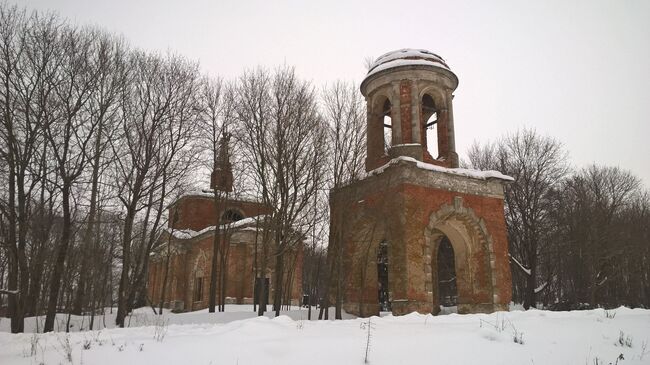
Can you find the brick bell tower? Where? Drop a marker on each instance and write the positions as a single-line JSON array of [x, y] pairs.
[[221, 177], [418, 232]]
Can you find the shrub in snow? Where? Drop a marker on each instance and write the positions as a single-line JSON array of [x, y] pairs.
[[368, 326], [598, 361], [644, 345], [623, 340], [610, 314], [499, 324], [65, 346], [517, 337], [33, 341], [160, 330]]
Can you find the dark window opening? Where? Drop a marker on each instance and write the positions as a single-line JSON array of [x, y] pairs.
[[388, 125], [198, 289], [231, 216], [430, 118], [382, 275], [447, 291]]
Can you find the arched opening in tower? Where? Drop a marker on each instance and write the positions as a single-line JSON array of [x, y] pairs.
[[382, 277], [446, 267], [388, 125], [429, 130], [231, 215]]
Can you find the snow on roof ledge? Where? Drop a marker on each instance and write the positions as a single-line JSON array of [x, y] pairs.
[[186, 234], [209, 193], [475, 174]]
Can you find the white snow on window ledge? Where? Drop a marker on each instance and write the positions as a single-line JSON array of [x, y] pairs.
[[475, 174]]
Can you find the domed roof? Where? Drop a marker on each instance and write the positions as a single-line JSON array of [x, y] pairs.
[[406, 57]]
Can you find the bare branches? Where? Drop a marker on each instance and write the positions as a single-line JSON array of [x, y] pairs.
[[572, 231], [283, 138], [538, 164], [89, 130], [344, 112]]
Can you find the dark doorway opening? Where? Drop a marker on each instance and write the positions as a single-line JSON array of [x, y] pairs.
[[447, 290], [382, 276]]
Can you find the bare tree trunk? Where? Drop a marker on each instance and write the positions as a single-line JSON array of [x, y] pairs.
[[223, 273], [166, 274], [277, 293], [261, 283], [55, 283], [90, 225], [212, 298], [122, 293]]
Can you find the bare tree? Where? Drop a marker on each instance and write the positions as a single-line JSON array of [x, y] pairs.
[[538, 164], [28, 64], [281, 134], [103, 107], [158, 118], [597, 202], [344, 111], [69, 132], [217, 114]]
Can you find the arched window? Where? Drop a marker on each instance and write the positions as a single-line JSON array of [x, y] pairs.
[[198, 289], [388, 125], [231, 215], [430, 119]]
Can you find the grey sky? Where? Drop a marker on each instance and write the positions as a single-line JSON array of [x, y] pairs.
[[576, 70]]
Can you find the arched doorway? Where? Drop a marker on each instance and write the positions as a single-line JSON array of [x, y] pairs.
[[455, 234], [446, 264], [448, 271], [382, 277]]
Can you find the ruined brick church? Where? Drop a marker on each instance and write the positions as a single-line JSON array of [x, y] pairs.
[[418, 231], [190, 236]]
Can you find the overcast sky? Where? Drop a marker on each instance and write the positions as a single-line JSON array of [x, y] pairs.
[[576, 70]]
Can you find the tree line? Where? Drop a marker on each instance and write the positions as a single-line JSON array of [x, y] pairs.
[[578, 237], [98, 137]]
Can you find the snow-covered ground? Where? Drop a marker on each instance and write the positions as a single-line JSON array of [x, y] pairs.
[[143, 317], [517, 337]]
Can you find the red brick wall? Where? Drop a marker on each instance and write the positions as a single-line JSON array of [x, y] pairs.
[[402, 215], [197, 212], [196, 261]]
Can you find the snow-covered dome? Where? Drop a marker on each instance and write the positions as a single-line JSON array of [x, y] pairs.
[[407, 57]]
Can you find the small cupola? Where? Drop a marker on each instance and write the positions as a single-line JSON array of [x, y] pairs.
[[409, 95]]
